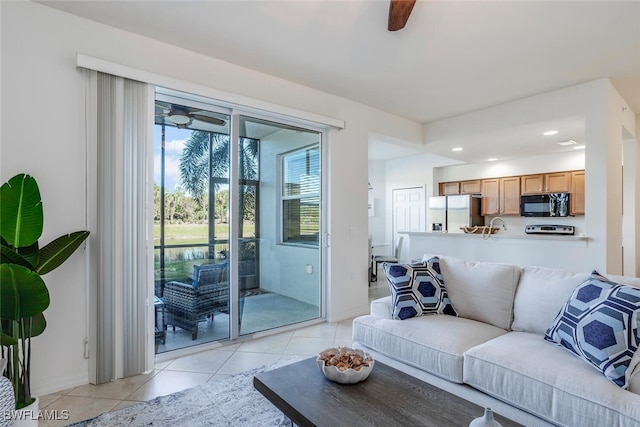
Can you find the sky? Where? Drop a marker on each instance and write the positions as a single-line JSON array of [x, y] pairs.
[[174, 143]]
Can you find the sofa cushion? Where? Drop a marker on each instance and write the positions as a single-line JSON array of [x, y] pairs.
[[417, 289], [209, 273], [625, 280], [522, 369], [481, 291], [382, 307], [435, 344], [540, 295], [599, 323]]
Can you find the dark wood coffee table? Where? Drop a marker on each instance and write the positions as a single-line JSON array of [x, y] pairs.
[[388, 397]]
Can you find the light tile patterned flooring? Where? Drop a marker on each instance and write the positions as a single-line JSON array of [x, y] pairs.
[[88, 401]]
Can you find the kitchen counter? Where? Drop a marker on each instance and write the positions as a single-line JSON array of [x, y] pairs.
[[554, 251], [500, 235]]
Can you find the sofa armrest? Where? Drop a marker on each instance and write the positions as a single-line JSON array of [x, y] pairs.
[[382, 307], [180, 296]]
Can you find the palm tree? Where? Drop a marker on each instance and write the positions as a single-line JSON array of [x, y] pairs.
[[200, 171], [196, 166]]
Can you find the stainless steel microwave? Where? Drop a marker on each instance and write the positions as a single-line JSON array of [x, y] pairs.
[[544, 205]]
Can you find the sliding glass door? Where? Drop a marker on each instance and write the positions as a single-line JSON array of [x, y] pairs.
[[238, 223], [279, 189], [191, 224]]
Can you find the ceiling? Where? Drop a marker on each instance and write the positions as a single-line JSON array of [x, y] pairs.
[[453, 57]]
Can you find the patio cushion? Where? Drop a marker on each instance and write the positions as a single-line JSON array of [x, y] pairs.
[[209, 273]]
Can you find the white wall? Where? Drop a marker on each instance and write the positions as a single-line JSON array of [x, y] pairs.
[[282, 267], [377, 179], [569, 160], [403, 172], [43, 133]]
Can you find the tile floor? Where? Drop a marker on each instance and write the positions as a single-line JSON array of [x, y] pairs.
[[171, 376]]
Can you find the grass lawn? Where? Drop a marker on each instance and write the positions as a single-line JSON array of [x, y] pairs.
[[184, 234], [179, 261]]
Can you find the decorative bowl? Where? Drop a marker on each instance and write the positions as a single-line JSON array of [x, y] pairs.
[[480, 229], [343, 374]]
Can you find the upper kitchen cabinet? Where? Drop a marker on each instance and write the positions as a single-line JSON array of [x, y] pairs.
[[491, 196], [556, 182], [576, 200], [471, 187], [501, 196], [460, 187], [449, 188], [510, 195]]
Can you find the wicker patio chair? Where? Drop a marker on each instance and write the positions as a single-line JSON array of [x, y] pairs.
[[187, 304]]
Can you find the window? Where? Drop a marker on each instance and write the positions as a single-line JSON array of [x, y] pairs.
[[301, 196]]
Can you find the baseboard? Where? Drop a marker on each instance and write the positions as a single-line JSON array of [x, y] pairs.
[[64, 383]]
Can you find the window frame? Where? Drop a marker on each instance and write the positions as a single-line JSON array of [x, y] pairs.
[[283, 198]]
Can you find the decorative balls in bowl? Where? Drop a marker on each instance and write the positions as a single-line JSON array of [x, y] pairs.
[[345, 365]]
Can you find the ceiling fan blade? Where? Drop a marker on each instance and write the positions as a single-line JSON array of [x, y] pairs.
[[399, 11], [207, 119]]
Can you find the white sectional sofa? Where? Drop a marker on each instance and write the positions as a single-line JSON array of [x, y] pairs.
[[494, 351]]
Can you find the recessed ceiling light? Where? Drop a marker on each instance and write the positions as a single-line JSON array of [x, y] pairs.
[[568, 142], [456, 149], [492, 159], [550, 132], [579, 147]]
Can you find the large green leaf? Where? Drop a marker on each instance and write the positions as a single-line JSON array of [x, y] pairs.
[[22, 292], [9, 256], [31, 253], [7, 340], [57, 252], [32, 326], [38, 324], [12, 330], [21, 216]]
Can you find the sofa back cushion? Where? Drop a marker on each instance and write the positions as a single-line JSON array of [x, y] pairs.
[[209, 273], [624, 280], [541, 294], [481, 291]]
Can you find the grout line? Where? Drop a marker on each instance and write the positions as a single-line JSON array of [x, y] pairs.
[[167, 363]]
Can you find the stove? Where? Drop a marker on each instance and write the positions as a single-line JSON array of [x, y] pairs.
[[550, 229]]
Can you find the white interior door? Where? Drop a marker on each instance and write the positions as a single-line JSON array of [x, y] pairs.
[[409, 211]]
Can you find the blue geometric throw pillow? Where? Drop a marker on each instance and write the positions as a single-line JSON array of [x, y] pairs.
[[417, 289], [599, 324]]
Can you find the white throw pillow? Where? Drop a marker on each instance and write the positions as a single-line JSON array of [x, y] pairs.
[[482, 291], [541, 294]]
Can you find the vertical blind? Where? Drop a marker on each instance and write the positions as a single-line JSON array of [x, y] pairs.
[[124, 268]]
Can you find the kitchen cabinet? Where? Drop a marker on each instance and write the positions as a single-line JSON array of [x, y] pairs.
[[491, 196], [501, 196], [473, 186], [449, 188], [510, 195], [576, 199], [556, 182]]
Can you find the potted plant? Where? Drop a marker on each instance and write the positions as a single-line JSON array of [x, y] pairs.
[[23, 293]]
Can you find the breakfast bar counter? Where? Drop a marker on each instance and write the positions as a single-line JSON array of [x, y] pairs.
[[554, 251]]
